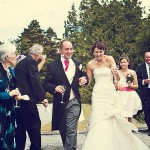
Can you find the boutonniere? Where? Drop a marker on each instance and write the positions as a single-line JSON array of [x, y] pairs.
[[80, 67]]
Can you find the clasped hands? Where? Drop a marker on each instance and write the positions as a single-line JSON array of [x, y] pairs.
[[146, 81], [119, 87], [17, 95], [60, 89], [82, 81]]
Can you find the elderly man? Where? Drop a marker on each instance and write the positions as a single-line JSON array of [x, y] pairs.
[[143, 74], [29, 84]]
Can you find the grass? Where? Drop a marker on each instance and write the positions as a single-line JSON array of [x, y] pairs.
[[82, 125], [46, 127]]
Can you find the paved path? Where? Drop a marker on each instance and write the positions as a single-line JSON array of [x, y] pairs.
[[52, 140]]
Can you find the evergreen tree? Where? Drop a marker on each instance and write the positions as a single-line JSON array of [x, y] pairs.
[[143, 39], [71, 25], [48, 39], [50, 44], [72, 29], [118, 23], [33, 34]]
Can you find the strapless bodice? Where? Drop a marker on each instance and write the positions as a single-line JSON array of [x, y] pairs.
[[103, 75]]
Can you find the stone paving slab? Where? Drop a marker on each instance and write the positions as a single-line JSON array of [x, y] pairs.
[[53, 141]]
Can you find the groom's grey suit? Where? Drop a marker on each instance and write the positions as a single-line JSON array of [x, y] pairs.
[[65, 116]]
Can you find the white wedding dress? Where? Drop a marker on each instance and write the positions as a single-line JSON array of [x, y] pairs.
[[108, 129]]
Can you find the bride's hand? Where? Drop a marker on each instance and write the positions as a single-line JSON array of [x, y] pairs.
[[114, 71]]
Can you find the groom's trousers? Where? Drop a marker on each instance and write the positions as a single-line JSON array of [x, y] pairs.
[[72, 116]]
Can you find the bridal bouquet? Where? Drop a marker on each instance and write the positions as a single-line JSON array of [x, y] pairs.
[[129, 78]]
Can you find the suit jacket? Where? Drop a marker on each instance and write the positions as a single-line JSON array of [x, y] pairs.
[[142, 74], [28, 79], [56, 76]]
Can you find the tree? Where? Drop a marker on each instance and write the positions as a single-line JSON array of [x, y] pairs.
[[71, 25], [143, 38], [33, 34], [118, 23], [50, 44]]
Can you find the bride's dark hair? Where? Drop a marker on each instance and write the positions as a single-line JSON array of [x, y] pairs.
[[98, 44], [124, 56]]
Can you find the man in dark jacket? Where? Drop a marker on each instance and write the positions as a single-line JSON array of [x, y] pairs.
[[65, 72], [29, 84], [143, 75]]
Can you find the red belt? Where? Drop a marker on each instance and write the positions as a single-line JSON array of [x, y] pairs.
[[128, 89]]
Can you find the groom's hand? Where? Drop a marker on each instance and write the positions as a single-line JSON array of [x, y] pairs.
[[82, 81], [59, 89]]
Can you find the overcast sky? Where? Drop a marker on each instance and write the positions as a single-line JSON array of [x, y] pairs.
[[15, 15]]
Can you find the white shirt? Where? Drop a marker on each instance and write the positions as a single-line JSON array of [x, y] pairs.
[[69, 73]]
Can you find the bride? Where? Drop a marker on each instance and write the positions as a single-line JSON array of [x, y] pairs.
[[108, 129]]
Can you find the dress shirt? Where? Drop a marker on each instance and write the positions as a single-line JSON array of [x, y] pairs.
[[69, 73]]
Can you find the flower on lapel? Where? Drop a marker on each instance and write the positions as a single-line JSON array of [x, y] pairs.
[[80, 67]]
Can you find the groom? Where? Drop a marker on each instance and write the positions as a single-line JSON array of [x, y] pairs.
[[65, 71]]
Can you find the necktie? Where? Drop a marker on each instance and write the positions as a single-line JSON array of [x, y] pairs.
[[66, 61]]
